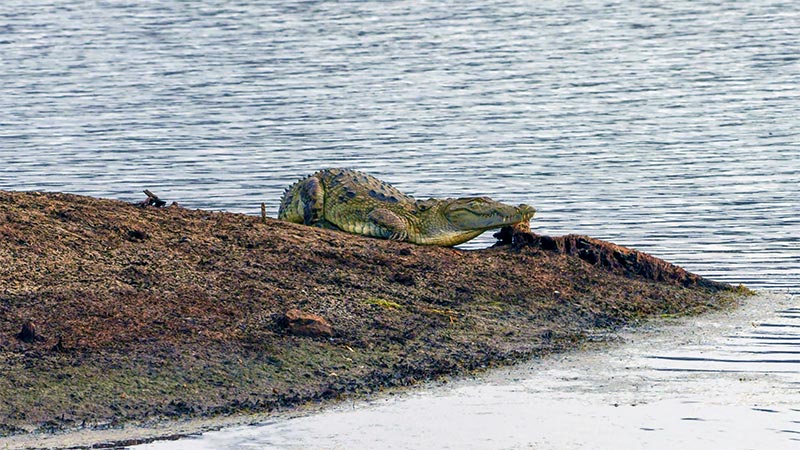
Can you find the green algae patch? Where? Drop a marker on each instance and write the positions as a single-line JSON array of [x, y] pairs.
[[113, 314], [742, 290], [383, 303]]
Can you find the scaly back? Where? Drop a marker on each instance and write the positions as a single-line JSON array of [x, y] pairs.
[[338, 189]]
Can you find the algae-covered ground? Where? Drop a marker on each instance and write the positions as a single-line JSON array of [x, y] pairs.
[[143, 313]]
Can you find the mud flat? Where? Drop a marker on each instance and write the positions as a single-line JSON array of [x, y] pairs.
[[724, 380], [115, 315]]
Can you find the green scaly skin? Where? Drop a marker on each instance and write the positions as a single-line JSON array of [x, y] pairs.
[[355, 202]]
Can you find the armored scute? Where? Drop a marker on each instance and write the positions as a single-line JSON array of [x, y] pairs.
[[358, 203]]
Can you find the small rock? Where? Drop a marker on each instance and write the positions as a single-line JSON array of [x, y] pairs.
[[517, 235], [59, 347], [406, 279], [305, 324], [28, 333], [136, 235]]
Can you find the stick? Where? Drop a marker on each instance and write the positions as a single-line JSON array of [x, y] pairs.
[[152, 200]]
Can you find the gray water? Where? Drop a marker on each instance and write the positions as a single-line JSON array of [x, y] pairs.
[[671, 127]]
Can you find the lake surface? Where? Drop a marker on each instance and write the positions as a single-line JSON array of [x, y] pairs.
[[671, 127]]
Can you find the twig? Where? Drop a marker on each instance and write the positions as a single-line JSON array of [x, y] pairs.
[[152, 200]]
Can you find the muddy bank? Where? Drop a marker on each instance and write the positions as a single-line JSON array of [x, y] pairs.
[[113, 313]]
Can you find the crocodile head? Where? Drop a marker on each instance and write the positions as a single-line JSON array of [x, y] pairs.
[[454, 221], [483, 213]]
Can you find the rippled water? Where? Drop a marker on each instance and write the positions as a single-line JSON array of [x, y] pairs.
[[671, 127], [668, 126]]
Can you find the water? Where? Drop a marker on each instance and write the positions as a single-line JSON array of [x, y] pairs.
[[671, 127], [668, 127]]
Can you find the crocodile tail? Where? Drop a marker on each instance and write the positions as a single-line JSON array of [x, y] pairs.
[[288, 210], [303, 201]]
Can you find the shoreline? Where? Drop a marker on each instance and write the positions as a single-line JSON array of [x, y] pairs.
[[621, 382], [133, 434], [144, 314]]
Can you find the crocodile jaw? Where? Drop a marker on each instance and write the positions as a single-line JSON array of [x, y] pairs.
[[483, 213], [457, 221], [445, 238]]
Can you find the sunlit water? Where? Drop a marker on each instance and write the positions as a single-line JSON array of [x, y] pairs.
[[671, 127]]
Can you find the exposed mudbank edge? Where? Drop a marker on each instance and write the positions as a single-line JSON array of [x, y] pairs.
[[604, 255], [133, 433]]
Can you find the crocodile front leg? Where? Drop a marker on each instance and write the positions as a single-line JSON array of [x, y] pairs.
[[392, 226]]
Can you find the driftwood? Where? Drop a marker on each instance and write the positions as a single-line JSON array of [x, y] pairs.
[[609, 256], [152, 200]]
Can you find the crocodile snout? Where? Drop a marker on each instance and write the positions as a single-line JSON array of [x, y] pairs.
[[526, 211]]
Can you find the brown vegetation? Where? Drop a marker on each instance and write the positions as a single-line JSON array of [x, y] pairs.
[[112, 312]]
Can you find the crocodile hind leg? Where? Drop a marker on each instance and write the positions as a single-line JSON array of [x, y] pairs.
[[394, 226], [313, 200], [327, 225]]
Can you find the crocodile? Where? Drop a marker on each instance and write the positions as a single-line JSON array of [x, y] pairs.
[[355, 202]]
